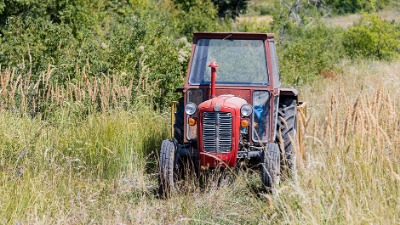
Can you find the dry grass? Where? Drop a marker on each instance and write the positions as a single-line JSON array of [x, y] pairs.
[[349, 20], [255, 19], [20, 92], [351, 175], [353, 154]]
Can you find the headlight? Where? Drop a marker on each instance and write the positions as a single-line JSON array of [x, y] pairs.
[[190, 108], [246, 110]]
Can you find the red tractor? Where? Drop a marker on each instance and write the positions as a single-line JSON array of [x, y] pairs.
[[238, 116]]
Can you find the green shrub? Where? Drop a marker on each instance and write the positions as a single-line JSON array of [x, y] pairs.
[[252, 25], [31, 44], [353, 6], [372, 38], [306, 52], [264, 10], [142, 39], [230, 8]]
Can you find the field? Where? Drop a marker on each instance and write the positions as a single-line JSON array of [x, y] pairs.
[[101, 168], [348, 20], [84, 107]]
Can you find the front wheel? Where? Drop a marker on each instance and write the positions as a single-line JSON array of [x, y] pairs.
[[167, 173], [270, 166]]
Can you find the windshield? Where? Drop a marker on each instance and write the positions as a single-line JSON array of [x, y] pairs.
[[239, 61]]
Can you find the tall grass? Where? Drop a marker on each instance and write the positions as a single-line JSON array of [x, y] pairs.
[[71, 170], [43, 164], [352, 172], [21, 93]]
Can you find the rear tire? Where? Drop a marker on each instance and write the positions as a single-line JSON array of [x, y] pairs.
[[270, 166], [167, 173], [287, 124]]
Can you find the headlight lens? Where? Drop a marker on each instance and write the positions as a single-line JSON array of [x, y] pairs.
[[246, 110], [190, 108]]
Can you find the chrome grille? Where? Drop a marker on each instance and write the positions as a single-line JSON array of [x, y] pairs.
[[217, 132]]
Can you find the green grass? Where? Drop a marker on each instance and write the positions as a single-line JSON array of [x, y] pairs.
[[46, 165]]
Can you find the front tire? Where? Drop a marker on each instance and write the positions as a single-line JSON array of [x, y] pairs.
[[270, 166], [167, 173]]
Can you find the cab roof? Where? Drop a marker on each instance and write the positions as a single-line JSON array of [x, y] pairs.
[[233, 35]]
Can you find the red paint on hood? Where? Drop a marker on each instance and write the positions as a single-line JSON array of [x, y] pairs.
[[229, 104]]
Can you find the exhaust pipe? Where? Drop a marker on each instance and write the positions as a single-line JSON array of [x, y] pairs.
[[214, 67]]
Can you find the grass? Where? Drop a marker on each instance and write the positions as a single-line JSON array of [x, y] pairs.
[[346, 21], [259, 8], [257, 17], [99, 168], [21, 93], [49, 169]]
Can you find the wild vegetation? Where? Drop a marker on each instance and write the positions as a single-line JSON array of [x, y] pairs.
[[99, 169], [84, 96]]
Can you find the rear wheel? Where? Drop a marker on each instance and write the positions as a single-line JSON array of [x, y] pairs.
[[287, 125], [270, 166], [167, 173]]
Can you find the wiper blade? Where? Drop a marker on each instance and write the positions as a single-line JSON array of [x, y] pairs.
[[228, 36]]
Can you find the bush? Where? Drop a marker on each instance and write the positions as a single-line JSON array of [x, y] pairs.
[[353, 6], [306, 52], [31, 44], [372, 38], [264, 10], [197, 15], [141, 39]]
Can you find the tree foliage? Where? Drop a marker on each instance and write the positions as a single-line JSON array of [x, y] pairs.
[[353, 6], [143, 39], [308, 52], [231, 8], [225, 8], [199, 15], [373, 38], [146, 41]]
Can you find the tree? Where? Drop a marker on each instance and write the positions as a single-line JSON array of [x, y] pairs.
[[231, 8], [353, 6]]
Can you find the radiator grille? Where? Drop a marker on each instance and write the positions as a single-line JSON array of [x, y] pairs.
[[217, 132]]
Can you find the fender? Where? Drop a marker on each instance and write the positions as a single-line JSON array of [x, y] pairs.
[[289, 92]]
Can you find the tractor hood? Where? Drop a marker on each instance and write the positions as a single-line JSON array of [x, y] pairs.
[[219, 124], [223, 102]]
